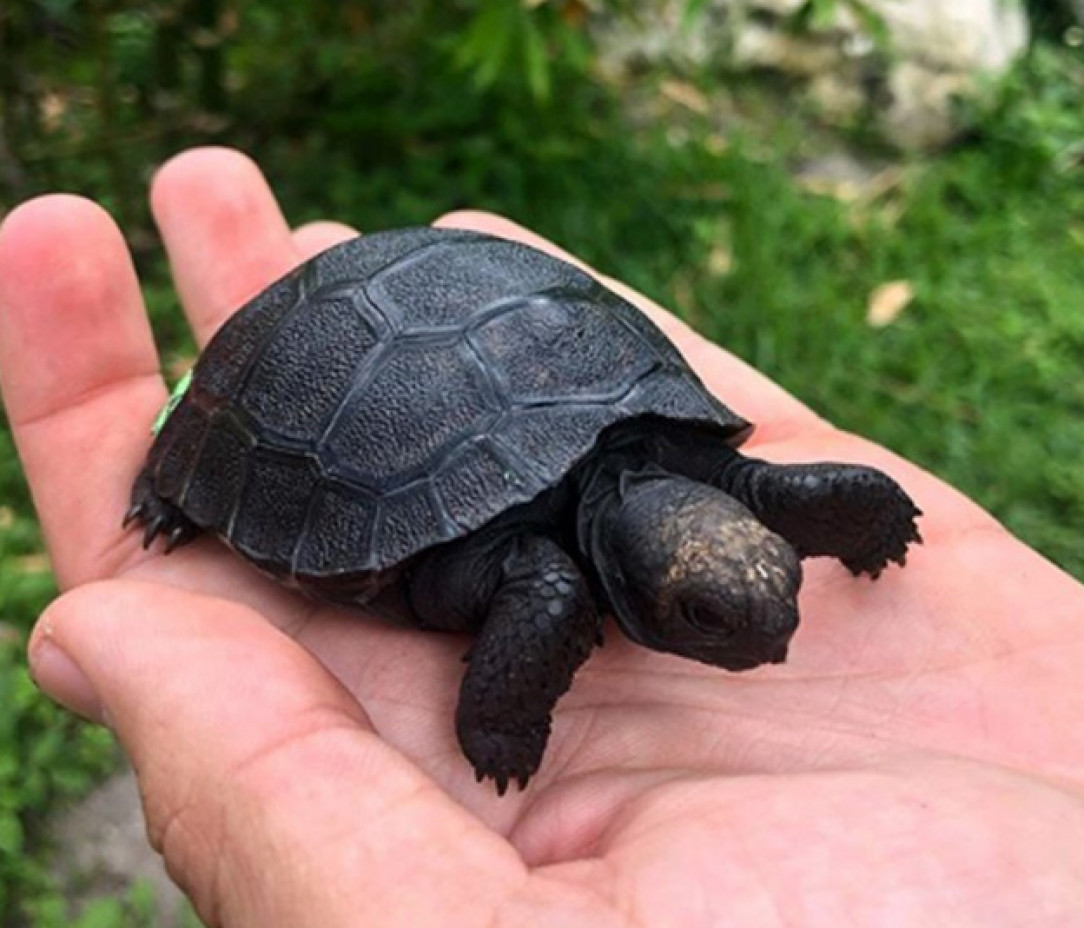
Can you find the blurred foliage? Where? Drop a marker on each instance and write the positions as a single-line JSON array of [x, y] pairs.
[[383, 114], [130, 83], [1051, 18], [46, 757]]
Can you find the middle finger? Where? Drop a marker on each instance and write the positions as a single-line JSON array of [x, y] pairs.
[[225, 234]]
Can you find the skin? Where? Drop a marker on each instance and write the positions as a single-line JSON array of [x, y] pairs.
[[918, 760]]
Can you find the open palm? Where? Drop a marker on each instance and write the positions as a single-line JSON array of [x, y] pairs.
[[919, 760]]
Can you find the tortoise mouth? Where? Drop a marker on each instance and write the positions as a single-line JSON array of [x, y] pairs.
[[739, 661], [736, 656], [733, 652]]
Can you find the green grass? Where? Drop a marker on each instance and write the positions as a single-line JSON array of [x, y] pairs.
[[978, 380], [46, 755]]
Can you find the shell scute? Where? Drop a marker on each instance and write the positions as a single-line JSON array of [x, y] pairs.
[[273, 507], [304, 371], [419, 404], [568, 350], [449, 285], [339, 535]]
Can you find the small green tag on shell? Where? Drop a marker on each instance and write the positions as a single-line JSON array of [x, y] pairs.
[[174, 400]]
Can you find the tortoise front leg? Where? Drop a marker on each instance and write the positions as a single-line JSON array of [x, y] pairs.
[[538, 625], [857, 514]]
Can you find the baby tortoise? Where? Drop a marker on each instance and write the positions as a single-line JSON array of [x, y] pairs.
[[466, 434]]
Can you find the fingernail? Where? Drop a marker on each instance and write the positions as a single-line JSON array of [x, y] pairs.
[[59, 676]]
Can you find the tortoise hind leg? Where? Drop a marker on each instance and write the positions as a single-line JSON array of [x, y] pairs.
[[857, 514], [158, 516], [536, 624]]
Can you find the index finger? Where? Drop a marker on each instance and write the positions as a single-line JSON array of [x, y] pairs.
[[79, 372]]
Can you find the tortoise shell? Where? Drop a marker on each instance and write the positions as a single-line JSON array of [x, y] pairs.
[[403, 389]]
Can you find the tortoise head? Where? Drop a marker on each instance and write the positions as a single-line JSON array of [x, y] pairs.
[[690, 571]]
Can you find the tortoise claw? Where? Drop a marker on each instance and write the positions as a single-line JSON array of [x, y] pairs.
[[152, 529], [177, 536], [133, 513], [503, 758], [158, 516]]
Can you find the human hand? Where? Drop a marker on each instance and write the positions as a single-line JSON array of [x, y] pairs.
[[920, 758]]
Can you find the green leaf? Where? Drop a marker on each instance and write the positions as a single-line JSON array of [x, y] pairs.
[[58, 9], [11, 834], [536, 62], [174, 401], [813, 16], [102, 913], [488, 38], [822, 14], [694, 10], [873, 22]]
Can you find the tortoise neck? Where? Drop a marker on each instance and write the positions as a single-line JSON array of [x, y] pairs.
[[601, 486]]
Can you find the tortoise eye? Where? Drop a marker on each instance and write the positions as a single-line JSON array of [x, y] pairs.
[[699, 619]]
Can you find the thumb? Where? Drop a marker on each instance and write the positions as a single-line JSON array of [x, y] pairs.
[[263, 783]]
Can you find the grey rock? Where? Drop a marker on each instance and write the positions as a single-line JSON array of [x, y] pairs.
[[102, 850], [933, 55]]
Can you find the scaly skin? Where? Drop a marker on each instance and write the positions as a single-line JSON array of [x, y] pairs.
[[918, 760], [540, 627], [856, 514], [533, 623]]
